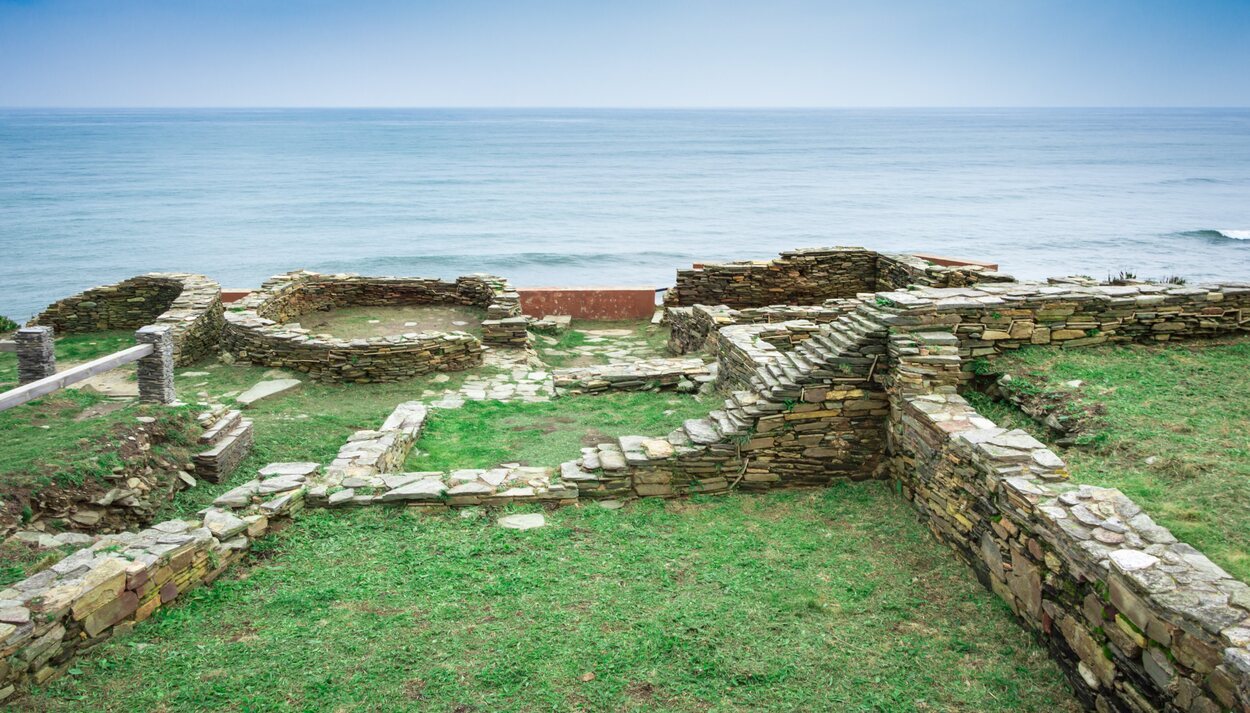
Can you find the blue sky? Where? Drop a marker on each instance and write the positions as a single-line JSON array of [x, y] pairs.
[[670, 53]]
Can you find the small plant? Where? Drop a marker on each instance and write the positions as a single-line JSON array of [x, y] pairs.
[[1123, 277], [1093, 332], [6, 324], [981, 366], [885, 302], [1173, 280]]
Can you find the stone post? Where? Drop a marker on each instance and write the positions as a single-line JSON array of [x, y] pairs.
[[156, 370], [35, 356]]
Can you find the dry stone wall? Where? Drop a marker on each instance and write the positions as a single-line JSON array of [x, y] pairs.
[[190, 305], [259, 328], [1138, 620], [106, 589], [812, 275], [989, 319]]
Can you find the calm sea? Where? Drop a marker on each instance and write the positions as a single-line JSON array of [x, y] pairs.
[[591, 197]]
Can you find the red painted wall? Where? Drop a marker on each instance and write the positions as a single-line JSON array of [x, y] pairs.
[[605, 303]]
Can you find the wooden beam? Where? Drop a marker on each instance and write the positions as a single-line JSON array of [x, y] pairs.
[[72, 375], [8, 346]]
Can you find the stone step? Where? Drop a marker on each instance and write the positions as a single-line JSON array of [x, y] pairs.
[[224, 425], [216, 463], [701, 431]]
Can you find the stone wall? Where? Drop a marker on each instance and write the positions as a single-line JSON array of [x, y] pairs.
[[989, 319], [639, 375], [259, 327], [1138, 620], [690, 328], [812, 275], [189, 304], [106, 589]]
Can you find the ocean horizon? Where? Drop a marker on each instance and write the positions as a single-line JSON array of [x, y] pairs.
[[587, 197]]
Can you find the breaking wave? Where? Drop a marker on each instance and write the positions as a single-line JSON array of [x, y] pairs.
[[1229, 234]]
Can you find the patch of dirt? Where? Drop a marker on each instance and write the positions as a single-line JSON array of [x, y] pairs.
[[594, 437], [108, 504], [361, 322], [101, 409], [546, 425]]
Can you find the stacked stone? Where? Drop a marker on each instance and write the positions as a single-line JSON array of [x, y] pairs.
[[190, 305], [278, 489], [259, 328], [807, 276], [1137, 620], [155, 372], [641, 375], [229, 439], [94, 593], [696, 328], [898, 271], [509, 332], [36, 356], [742, 349], [991, 318]]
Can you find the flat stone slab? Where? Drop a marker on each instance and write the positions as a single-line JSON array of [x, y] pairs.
[[522, 522], [266, 389]]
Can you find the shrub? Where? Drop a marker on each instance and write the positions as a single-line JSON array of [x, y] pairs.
[[7, 325]]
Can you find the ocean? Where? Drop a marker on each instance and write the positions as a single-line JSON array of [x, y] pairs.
[[610, 197]]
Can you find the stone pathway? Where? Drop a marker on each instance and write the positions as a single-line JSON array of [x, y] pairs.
[[520, 376]]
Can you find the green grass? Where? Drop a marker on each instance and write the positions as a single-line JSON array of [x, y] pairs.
[[803, 601], [70, 349], [655, 337], [51, 440], [484, 434], [310, 423], [19, 560], [1186, 407]]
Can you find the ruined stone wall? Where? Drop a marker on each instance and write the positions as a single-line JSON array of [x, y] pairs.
[[898, 271], [189, 304], [106, 589], [257, 328], [1137, 620], [691, 328], [797, 277], [741, 349], [990, 318], [812, 275]]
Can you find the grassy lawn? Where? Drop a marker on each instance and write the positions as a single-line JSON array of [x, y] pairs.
[[803, 601], [64, 438], [307, 424], [1175, 435], [484, 434]]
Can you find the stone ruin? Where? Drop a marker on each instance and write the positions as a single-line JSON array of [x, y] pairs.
[[835, 364]]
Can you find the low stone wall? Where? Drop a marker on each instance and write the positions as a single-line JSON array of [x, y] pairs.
[[1138, 620], [190, 305], [48, 619], [639, 375], [691, 328], [813, 275], [989, 319], [259, 328]]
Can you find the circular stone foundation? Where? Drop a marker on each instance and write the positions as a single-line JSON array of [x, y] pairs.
[[264, 327]]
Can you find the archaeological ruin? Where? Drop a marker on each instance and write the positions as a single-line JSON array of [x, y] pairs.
[[836, 363]]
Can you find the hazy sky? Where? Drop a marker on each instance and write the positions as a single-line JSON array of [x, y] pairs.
[[669, 53]]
